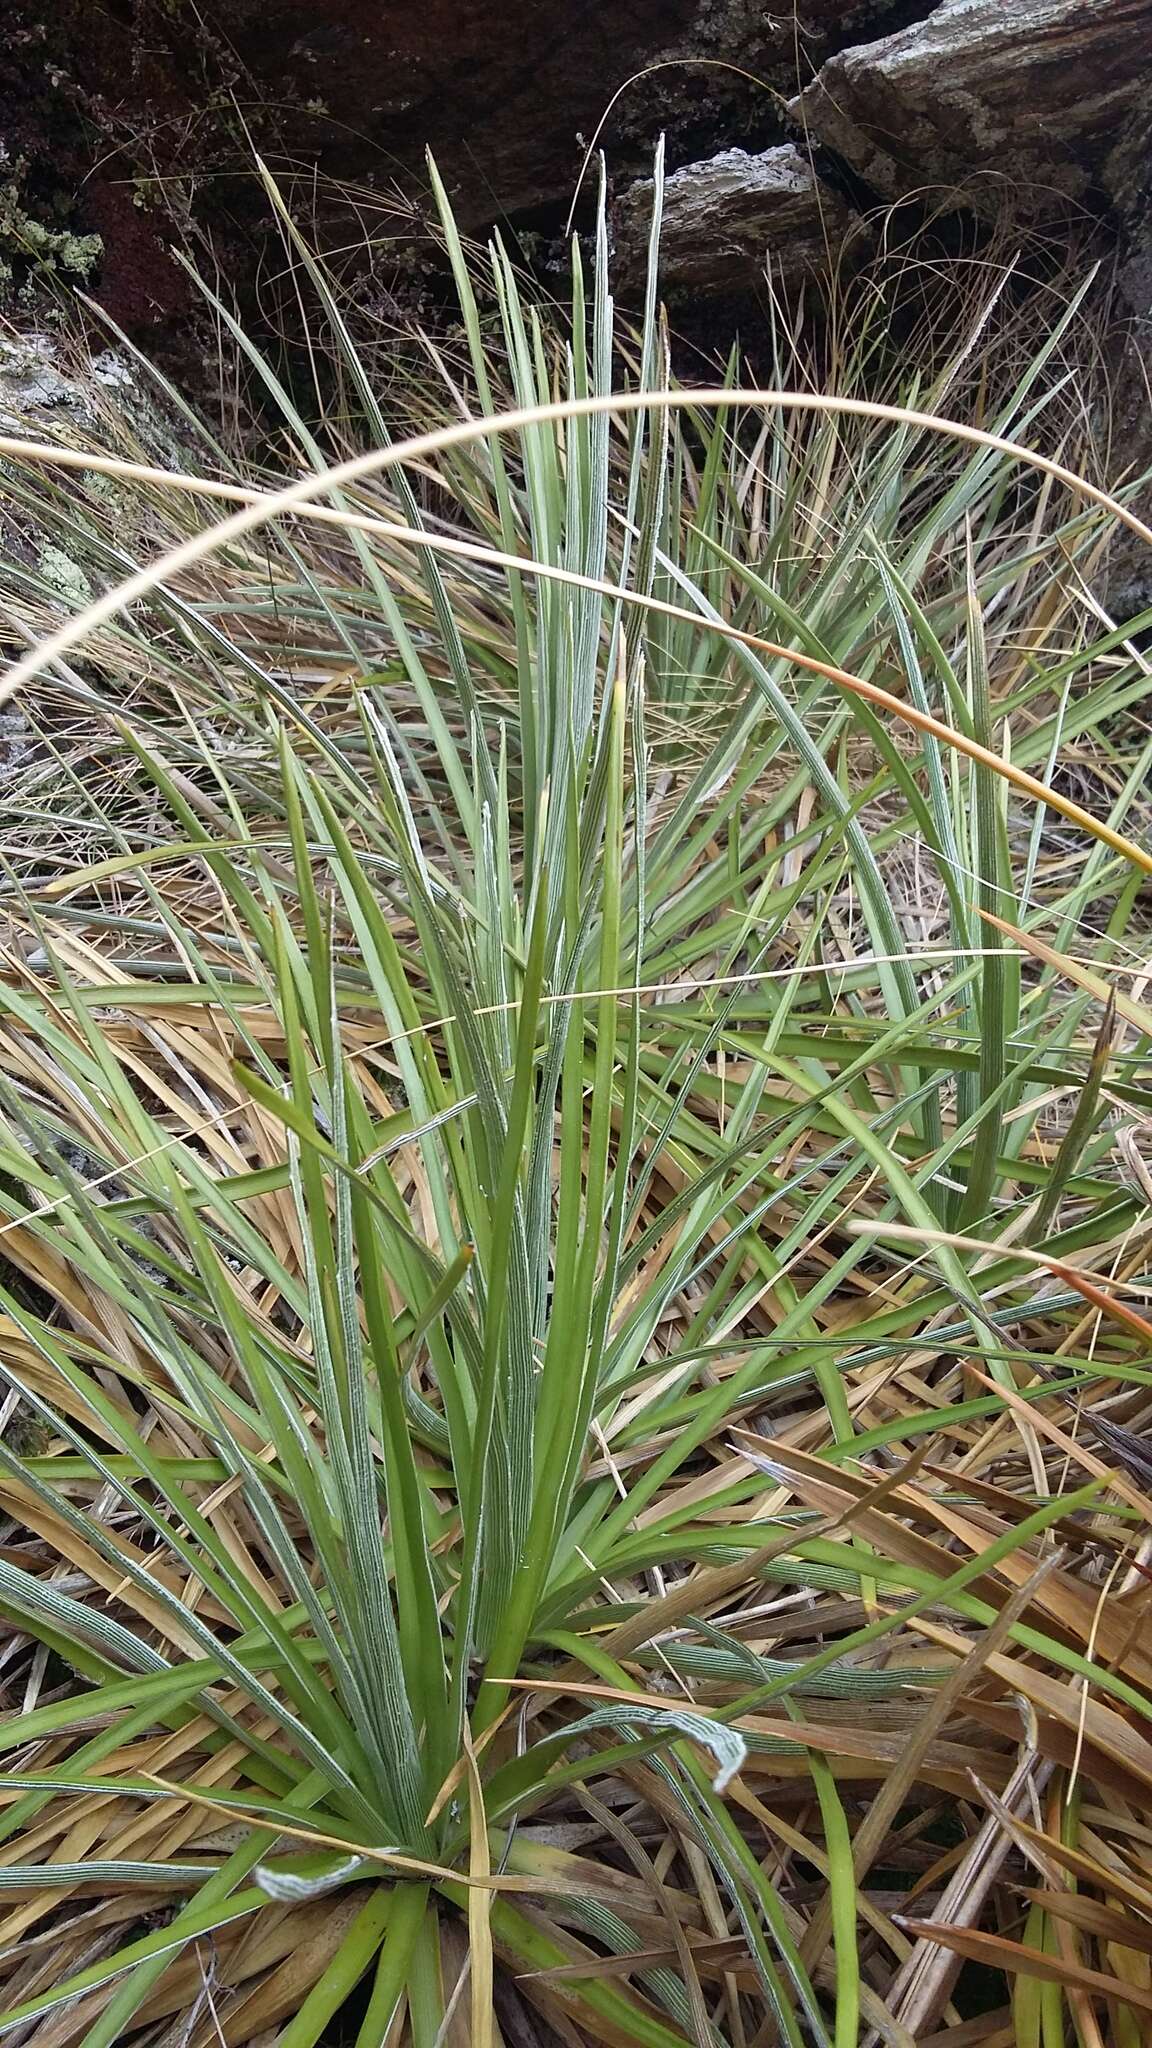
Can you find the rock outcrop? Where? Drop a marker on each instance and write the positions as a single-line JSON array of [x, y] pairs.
[[38, 389], [1042, 105], [1028, 103], [728, 219]]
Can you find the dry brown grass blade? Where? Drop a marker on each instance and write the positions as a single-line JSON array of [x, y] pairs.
[[559, 2000], [1122, 1482], [1088, 1914], [704, 1588], [1085, 977], [995, 1952], [34, 1514], [682, 1950], [868, 1841], [927, 1974], [991, 2030], [1106, 1872], [1061, 1597], [479, 1907], [711, 1957]]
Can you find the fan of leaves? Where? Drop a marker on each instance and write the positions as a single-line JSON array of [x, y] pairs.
[[574, 1222]]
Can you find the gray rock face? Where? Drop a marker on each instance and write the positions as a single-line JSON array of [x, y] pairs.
[[1029, 101], [37, 390], [727, 219]]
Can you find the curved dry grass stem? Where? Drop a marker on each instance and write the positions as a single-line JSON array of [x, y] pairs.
[[903, 1233], [259, 507], [267, 506], [648, 71]]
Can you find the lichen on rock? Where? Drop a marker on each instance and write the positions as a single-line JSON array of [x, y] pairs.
[[64, 576], [30, 249]]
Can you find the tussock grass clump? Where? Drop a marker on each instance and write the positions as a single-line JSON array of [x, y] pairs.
[[575, 1216]]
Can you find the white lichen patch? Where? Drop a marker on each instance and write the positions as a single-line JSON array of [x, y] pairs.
[[66, 577]]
